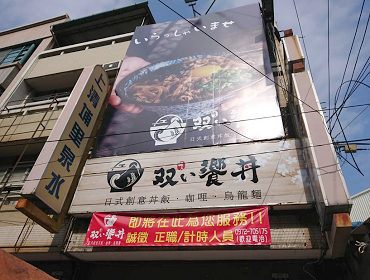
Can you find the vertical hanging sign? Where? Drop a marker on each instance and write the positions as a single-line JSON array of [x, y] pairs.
[[56, 166]]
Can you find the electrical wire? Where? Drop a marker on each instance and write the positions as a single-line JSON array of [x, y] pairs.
[[6, 144], [356, 84], [240, 58], [358, 53], [351, 122], [273, 176], [304, 44], [147, 141], [339, 108], [314, 110], [346, 160], [354, 141], [353, 158], [237, 56], [196, 161], [354, 68], [348, 57], [344, 101], [210, 6], [284, 89], [362, 72], [346, 97]]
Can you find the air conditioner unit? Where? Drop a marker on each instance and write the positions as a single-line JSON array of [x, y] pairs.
[[112, 65]]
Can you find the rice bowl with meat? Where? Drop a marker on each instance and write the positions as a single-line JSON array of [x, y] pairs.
[[195, 83]]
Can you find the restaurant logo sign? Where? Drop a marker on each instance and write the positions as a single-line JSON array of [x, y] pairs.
[[167, 129], [124, 175], [230, 176], [109, 220]]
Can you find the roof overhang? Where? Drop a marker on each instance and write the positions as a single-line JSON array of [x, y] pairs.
[[362, 229], [98, 26]]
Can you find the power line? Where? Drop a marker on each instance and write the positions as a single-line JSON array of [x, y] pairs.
[[344, 102], [6, 145], [358, 53], [360, 75], [199, 161], [273, 176], [356, 84], [210, 6], [345, 159], [164, 165], [266, 76], [304, 45], [284, 89], [241, 59], [353, 158], [351, 122], [350, 51], [254, 68], [354, 141]]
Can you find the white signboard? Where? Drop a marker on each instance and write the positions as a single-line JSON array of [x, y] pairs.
[[235, 175]]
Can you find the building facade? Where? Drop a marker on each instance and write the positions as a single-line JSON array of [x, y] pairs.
[[299, 178]]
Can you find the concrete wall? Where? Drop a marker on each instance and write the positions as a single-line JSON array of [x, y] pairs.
[[22, 127], [44, 45], [7, 74], [31, 32], [21, 235], [78, 60]]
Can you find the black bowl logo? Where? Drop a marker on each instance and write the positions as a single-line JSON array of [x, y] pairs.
[[124, 175], [167, 129]]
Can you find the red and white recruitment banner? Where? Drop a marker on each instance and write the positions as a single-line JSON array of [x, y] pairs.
[[226, 227]]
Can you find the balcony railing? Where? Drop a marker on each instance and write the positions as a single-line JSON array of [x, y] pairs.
[[35, 104], [87, 45]]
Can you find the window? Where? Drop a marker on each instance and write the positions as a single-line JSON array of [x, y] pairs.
[[20, 173], [3, 54], [19, 54], [18, 176]]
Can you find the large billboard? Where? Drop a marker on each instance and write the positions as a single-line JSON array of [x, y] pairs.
[[193, 83]]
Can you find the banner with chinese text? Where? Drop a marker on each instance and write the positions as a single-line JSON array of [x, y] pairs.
[[226, 227]]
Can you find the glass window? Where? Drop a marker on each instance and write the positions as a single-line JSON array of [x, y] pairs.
[[19, 54], [3, 54]]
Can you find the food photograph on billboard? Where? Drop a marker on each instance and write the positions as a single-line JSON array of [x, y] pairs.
[[193, 83]]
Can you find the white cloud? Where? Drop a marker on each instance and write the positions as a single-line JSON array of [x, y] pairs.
[[16, 13]]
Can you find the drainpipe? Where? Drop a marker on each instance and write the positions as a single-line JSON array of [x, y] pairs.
[[27, 55]]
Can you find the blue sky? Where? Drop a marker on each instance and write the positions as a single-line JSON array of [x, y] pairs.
[[313, 16]]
